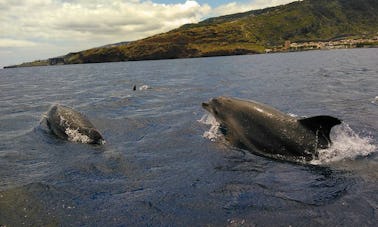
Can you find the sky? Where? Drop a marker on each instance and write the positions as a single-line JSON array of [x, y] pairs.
[[39, 29]]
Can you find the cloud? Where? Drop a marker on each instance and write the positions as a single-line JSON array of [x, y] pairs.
[[101, 20], [16, 43], [45, 27]]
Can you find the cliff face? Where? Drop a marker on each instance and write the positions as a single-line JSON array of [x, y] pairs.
[[246, 33]]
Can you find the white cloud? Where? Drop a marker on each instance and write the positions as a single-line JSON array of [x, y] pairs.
[[99, 20], [16, 43], [39, 29], [73, 25]]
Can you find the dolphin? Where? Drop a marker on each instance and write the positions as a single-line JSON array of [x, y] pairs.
[[267, 131], [68, 124]]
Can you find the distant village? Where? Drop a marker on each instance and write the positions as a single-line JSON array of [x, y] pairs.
[[326, 45]]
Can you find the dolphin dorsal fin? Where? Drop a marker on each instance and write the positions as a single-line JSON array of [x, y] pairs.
[[321, 126]]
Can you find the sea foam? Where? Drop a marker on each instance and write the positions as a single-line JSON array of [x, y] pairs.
[[214, 132], [75, 136], [346, 144]]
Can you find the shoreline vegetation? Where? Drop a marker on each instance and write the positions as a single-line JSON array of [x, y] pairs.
[[286, 47], [298, 26]]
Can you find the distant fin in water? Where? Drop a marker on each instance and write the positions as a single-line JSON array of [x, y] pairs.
[[321, 126]]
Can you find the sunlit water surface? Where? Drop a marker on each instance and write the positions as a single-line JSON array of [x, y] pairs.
[[164, 162]]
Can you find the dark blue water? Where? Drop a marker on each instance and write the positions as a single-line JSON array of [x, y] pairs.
[[160, 167]]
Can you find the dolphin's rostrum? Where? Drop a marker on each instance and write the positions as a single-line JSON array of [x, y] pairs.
[[69, 124], [269, 132]]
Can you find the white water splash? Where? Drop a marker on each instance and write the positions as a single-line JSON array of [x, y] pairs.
[[346, 145], [144, 87], [75, 136], [375, 100], [213, 133]]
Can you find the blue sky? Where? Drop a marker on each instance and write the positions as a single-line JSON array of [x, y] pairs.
[[39, 29]]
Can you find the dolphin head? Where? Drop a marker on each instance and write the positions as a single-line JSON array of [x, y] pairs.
[[96, 136], [217, 107], [223, 110], [93, 134]]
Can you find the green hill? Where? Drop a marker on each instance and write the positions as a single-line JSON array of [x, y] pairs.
[[244, 33]]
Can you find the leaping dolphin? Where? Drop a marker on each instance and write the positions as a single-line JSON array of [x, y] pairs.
[[266, 131], [68, 124]]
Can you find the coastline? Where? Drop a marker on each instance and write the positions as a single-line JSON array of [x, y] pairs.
[[288, 46]]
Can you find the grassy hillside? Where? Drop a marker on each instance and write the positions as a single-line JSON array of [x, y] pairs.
[[245, 33]]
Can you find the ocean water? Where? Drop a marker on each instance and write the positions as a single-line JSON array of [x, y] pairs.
[[164, 162]]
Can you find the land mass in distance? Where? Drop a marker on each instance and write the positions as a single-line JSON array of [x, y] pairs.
[[301, 25]]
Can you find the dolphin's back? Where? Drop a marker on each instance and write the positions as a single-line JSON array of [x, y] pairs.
[[268, 131], [259, 127], [67, 123], [67, 116]]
